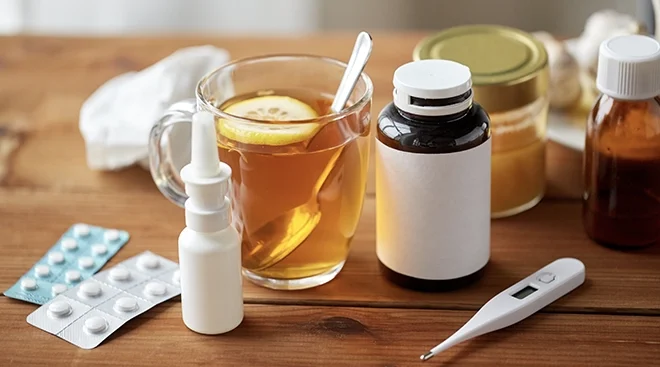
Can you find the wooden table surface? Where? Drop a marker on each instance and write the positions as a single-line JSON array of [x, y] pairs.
[[356, 320]]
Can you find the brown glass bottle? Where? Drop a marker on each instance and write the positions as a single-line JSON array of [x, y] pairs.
[[621, 205], [622, 173], [432, 135], [433, 153]]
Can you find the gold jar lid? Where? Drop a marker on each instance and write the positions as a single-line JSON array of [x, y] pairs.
[[509, 66]]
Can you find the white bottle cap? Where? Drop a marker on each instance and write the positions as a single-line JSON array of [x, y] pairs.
[[629, 67], [206, 179], [432, 79]]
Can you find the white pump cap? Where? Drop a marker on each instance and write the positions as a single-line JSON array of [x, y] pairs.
[[629, 67], [432, 79], [206, 179]]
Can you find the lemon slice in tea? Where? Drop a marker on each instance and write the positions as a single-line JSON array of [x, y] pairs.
[[269, 109]]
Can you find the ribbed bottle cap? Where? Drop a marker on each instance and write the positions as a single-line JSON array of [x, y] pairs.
[[629, 67], [441, 81]]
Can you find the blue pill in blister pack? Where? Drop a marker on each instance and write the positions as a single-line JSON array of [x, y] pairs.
[[81, 252]]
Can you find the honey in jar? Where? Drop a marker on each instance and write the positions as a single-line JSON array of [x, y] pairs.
[[510, 80]]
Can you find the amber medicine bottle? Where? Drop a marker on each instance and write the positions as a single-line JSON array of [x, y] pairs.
[[433, 179], [621, 204]]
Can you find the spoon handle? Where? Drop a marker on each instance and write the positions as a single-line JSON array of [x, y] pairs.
[[359, 58]]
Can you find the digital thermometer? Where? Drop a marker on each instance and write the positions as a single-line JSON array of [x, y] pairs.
[[519, 301]]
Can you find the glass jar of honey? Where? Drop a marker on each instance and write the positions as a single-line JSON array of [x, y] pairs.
[[510, 80]]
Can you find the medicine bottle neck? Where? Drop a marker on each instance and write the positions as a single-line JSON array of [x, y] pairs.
[[433, 119], [612, 108], [627, 100], [433, 110]]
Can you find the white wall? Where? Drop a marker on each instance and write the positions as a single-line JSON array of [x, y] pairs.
[[104, 17], [565, 17], [101, 17]]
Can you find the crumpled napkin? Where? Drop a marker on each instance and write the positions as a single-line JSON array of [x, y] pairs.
[[116, 119]]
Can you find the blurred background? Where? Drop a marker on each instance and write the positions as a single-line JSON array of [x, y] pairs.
[[281, 17]]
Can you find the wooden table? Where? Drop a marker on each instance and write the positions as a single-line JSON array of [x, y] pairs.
[[358, 319]]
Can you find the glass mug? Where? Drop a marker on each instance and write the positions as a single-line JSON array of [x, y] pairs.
[[297, 188]]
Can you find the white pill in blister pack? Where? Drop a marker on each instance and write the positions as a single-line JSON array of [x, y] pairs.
[[91, 292], [42, 271], [55, 258], [153, 291], [99, 249], [151, 264], [95, 325], [85, 262], [69, 244], [121, 277], [59, 309], [81, 230], [111, 235], [148, 262], [29, 284], [125, 306], [90, 311], [72, 276]]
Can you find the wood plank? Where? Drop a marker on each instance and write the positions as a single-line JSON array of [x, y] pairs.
[[323, 336], [45, 81], [617, 282]]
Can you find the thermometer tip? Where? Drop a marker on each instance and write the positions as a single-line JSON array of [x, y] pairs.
[[426, 356]]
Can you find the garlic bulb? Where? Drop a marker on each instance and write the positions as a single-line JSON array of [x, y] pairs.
[[565, 88], [600, 26]]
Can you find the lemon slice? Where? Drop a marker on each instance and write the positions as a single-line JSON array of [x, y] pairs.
[[269, 109]]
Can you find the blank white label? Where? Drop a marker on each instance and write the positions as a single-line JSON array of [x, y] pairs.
[[433, 211]]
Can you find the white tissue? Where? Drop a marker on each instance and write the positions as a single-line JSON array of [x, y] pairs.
[[116, 119]]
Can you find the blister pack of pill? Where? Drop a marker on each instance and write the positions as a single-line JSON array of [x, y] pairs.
[[81, 252], [90, 312]]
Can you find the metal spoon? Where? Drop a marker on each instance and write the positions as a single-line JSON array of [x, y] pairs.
[[271, 243], [355, 67]]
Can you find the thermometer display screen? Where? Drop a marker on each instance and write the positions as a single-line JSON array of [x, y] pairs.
[[524, 292]]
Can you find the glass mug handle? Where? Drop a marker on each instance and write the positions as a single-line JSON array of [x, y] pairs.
[[169, 149]]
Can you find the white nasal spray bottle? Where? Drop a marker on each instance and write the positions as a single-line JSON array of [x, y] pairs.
[[209, 247]]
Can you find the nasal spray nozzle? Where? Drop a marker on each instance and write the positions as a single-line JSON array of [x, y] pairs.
[[209, 247], [204, 161], [206, 179]]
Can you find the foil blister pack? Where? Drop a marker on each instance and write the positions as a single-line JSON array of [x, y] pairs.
[[88, 313], [79, 253]]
